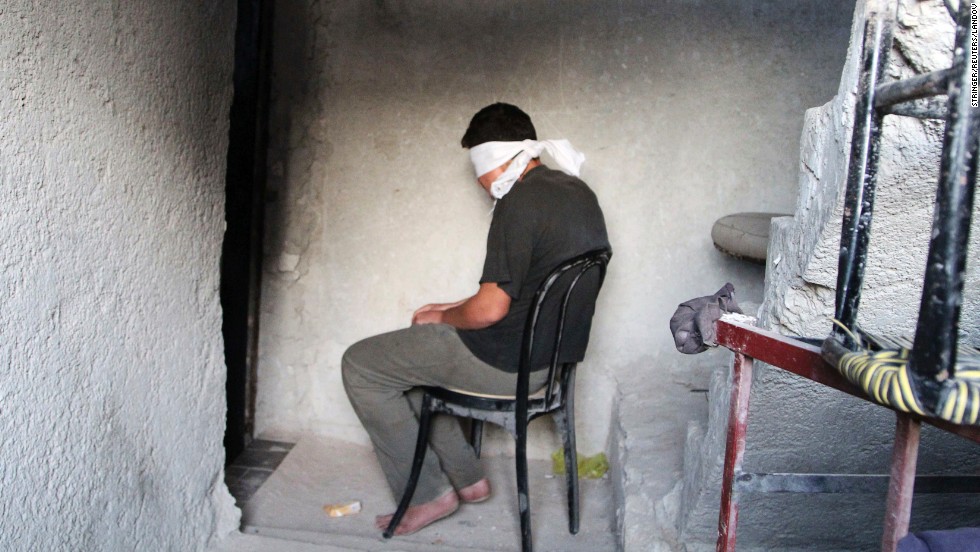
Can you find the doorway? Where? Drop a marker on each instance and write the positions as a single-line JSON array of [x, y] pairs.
[[241, 255]]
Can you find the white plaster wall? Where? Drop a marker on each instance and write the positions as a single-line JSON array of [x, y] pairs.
[[113, 136], [686, 111]]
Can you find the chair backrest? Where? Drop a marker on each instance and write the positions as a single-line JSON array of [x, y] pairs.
[[560, 317]]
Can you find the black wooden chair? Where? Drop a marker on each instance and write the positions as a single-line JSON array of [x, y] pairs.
[[566, 296]]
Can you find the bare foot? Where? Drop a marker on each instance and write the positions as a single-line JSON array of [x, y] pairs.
[[421, 515], [477, 492]]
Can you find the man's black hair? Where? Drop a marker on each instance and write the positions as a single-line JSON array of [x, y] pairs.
[[499, 122]]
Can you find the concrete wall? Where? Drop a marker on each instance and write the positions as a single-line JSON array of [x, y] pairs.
[[686, 111], [797, 425], [113, 136]]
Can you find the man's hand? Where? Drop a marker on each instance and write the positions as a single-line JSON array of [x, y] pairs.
[[432, 313], [427, 317], [484, 309]]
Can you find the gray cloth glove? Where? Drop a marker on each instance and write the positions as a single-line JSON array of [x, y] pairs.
[[693, 323]]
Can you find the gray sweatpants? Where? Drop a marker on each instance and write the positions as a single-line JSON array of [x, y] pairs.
[[379, 373]]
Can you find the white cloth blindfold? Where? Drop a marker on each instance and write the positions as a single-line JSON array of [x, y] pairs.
[[490, 155]]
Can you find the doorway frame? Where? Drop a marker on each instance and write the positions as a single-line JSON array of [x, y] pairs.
[[241, 255]]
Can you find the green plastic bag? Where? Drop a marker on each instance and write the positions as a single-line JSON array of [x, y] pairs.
[[589, 467]]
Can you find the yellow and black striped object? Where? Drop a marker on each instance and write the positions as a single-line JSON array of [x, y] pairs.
[[884, 375]]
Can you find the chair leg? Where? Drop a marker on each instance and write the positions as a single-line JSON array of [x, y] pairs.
[[567, 425], [476, 435], [523, 502], [425, 419]]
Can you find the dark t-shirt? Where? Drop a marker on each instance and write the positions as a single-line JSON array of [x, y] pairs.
[[548, 217]]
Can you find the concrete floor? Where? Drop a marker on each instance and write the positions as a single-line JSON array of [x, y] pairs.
[[240, 542], [286, 513]]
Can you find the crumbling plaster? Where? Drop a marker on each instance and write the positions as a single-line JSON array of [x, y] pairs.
[[686, 111], [797, 425], [113, 137]]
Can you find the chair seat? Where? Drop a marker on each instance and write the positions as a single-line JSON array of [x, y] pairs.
[[539, 394], [536, 402]]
